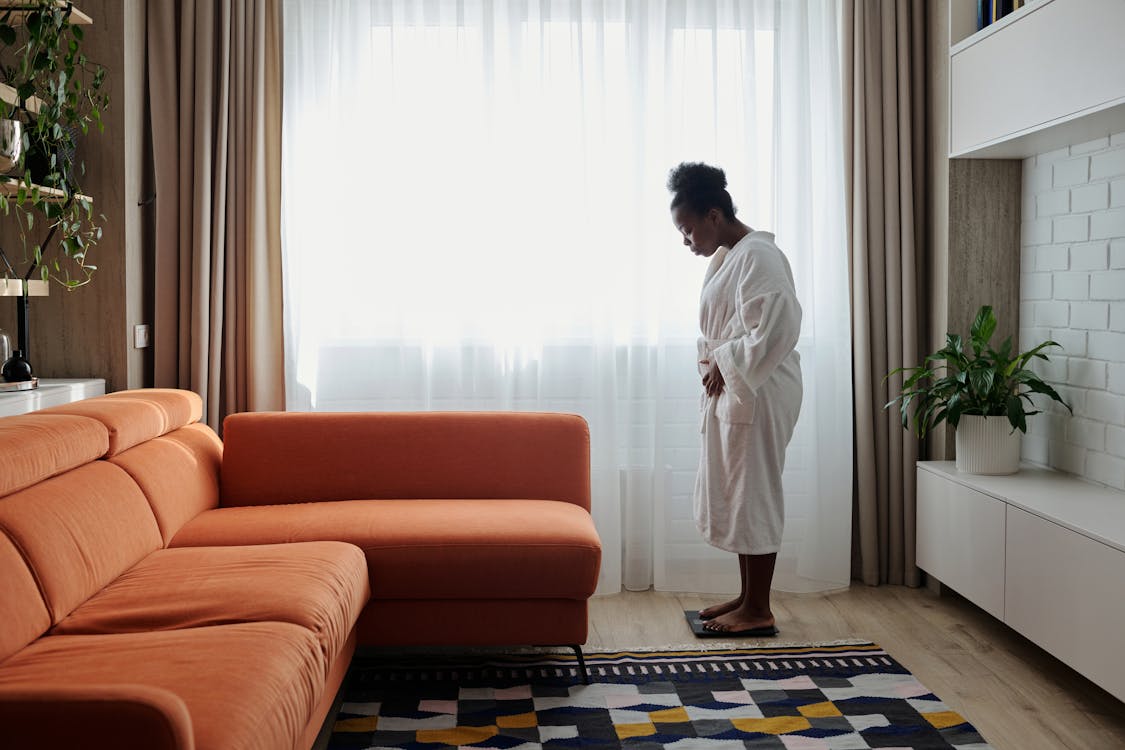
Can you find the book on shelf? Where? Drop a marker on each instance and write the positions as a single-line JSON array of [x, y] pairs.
[[1000, 8], [990, 11]]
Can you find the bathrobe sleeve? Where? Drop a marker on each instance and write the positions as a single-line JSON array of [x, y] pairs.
[[769, 320]]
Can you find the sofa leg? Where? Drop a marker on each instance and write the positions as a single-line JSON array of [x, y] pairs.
[[581, 664]]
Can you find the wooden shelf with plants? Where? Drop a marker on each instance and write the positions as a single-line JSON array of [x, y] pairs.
[[20, 10], [10, 186], [50, 95], [35, 287], [9, 96]]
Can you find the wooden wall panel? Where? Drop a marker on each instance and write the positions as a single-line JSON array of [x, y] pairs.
[[984, 243]]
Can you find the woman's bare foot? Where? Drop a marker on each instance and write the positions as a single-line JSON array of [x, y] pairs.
[[740, 619], [720, 609]]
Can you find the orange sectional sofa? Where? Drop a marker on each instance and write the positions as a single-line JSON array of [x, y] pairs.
[[162, 589]]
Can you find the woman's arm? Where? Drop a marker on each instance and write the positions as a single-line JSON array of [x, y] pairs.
[[771, 318]]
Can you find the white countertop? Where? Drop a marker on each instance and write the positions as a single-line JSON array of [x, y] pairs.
[[51, 392], [1090, 509]]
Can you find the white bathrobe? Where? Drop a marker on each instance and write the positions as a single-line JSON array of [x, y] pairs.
[[750, 320]]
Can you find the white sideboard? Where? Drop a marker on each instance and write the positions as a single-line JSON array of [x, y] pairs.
[[1047, 75], [1041, 550], [51, 392]]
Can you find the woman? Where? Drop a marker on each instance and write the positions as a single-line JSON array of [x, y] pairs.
[[750, 322]]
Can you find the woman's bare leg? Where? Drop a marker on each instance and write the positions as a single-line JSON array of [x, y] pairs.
[[733, 604], [753, 610]]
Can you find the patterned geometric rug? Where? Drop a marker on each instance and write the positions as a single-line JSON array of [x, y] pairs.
[[841, 697]]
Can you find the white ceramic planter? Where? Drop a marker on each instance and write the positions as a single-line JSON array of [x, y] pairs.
[[987, 445]]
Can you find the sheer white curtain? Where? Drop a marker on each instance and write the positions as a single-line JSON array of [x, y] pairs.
[[475, 217]]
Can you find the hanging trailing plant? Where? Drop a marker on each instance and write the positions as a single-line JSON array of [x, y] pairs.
[[57, 97]]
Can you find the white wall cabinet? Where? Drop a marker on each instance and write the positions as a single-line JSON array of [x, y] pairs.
[[1041, 550], [947, 510], [1066, 593], [1047, 75]]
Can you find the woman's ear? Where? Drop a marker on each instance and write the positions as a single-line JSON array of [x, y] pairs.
[[715, 216]]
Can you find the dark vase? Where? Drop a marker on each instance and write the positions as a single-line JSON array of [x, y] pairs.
[[17, 369]]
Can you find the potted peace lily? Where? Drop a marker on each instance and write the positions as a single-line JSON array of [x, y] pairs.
[[984, 393]]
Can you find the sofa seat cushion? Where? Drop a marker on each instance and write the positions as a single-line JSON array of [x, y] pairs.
[[321, 586], [249, 686], [432, 549]]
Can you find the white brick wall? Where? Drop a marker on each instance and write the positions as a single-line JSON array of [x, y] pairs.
[[1072, 290]]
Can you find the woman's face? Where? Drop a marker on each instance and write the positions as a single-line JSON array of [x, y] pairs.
[[700, 233]]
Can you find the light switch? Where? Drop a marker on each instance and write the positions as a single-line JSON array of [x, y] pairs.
[[140, 336]]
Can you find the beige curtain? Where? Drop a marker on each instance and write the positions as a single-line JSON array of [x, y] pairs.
[[884, 80], [214, 72]]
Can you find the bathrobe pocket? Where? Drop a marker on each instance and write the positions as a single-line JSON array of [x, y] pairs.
[[729, 408]]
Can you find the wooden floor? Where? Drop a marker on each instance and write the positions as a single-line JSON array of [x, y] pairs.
[[1016, 695]]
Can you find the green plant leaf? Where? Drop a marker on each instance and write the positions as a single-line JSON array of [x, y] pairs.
[[893, 372], [918, 374], [983, 327], [982, 380], [1005, 354], [1015, 414], [1035, 385], [956, 346], [1022, 360]]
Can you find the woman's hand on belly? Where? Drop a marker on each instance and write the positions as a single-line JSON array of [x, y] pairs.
[[713, 382]]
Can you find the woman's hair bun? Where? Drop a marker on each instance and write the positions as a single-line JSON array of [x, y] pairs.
[[696, 178], [700, 187]]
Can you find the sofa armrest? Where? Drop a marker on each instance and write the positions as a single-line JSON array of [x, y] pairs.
[[271, 458], [122, 717]]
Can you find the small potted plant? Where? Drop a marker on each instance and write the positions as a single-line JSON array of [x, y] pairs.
[[984, 393]]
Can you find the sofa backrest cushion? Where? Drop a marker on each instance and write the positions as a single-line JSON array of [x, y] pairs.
[[23, 614], [273, 458], [132, 417], [34, 447], [79, 531], [178, 473]]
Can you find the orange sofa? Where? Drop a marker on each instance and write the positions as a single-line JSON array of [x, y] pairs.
[[162, 589]]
